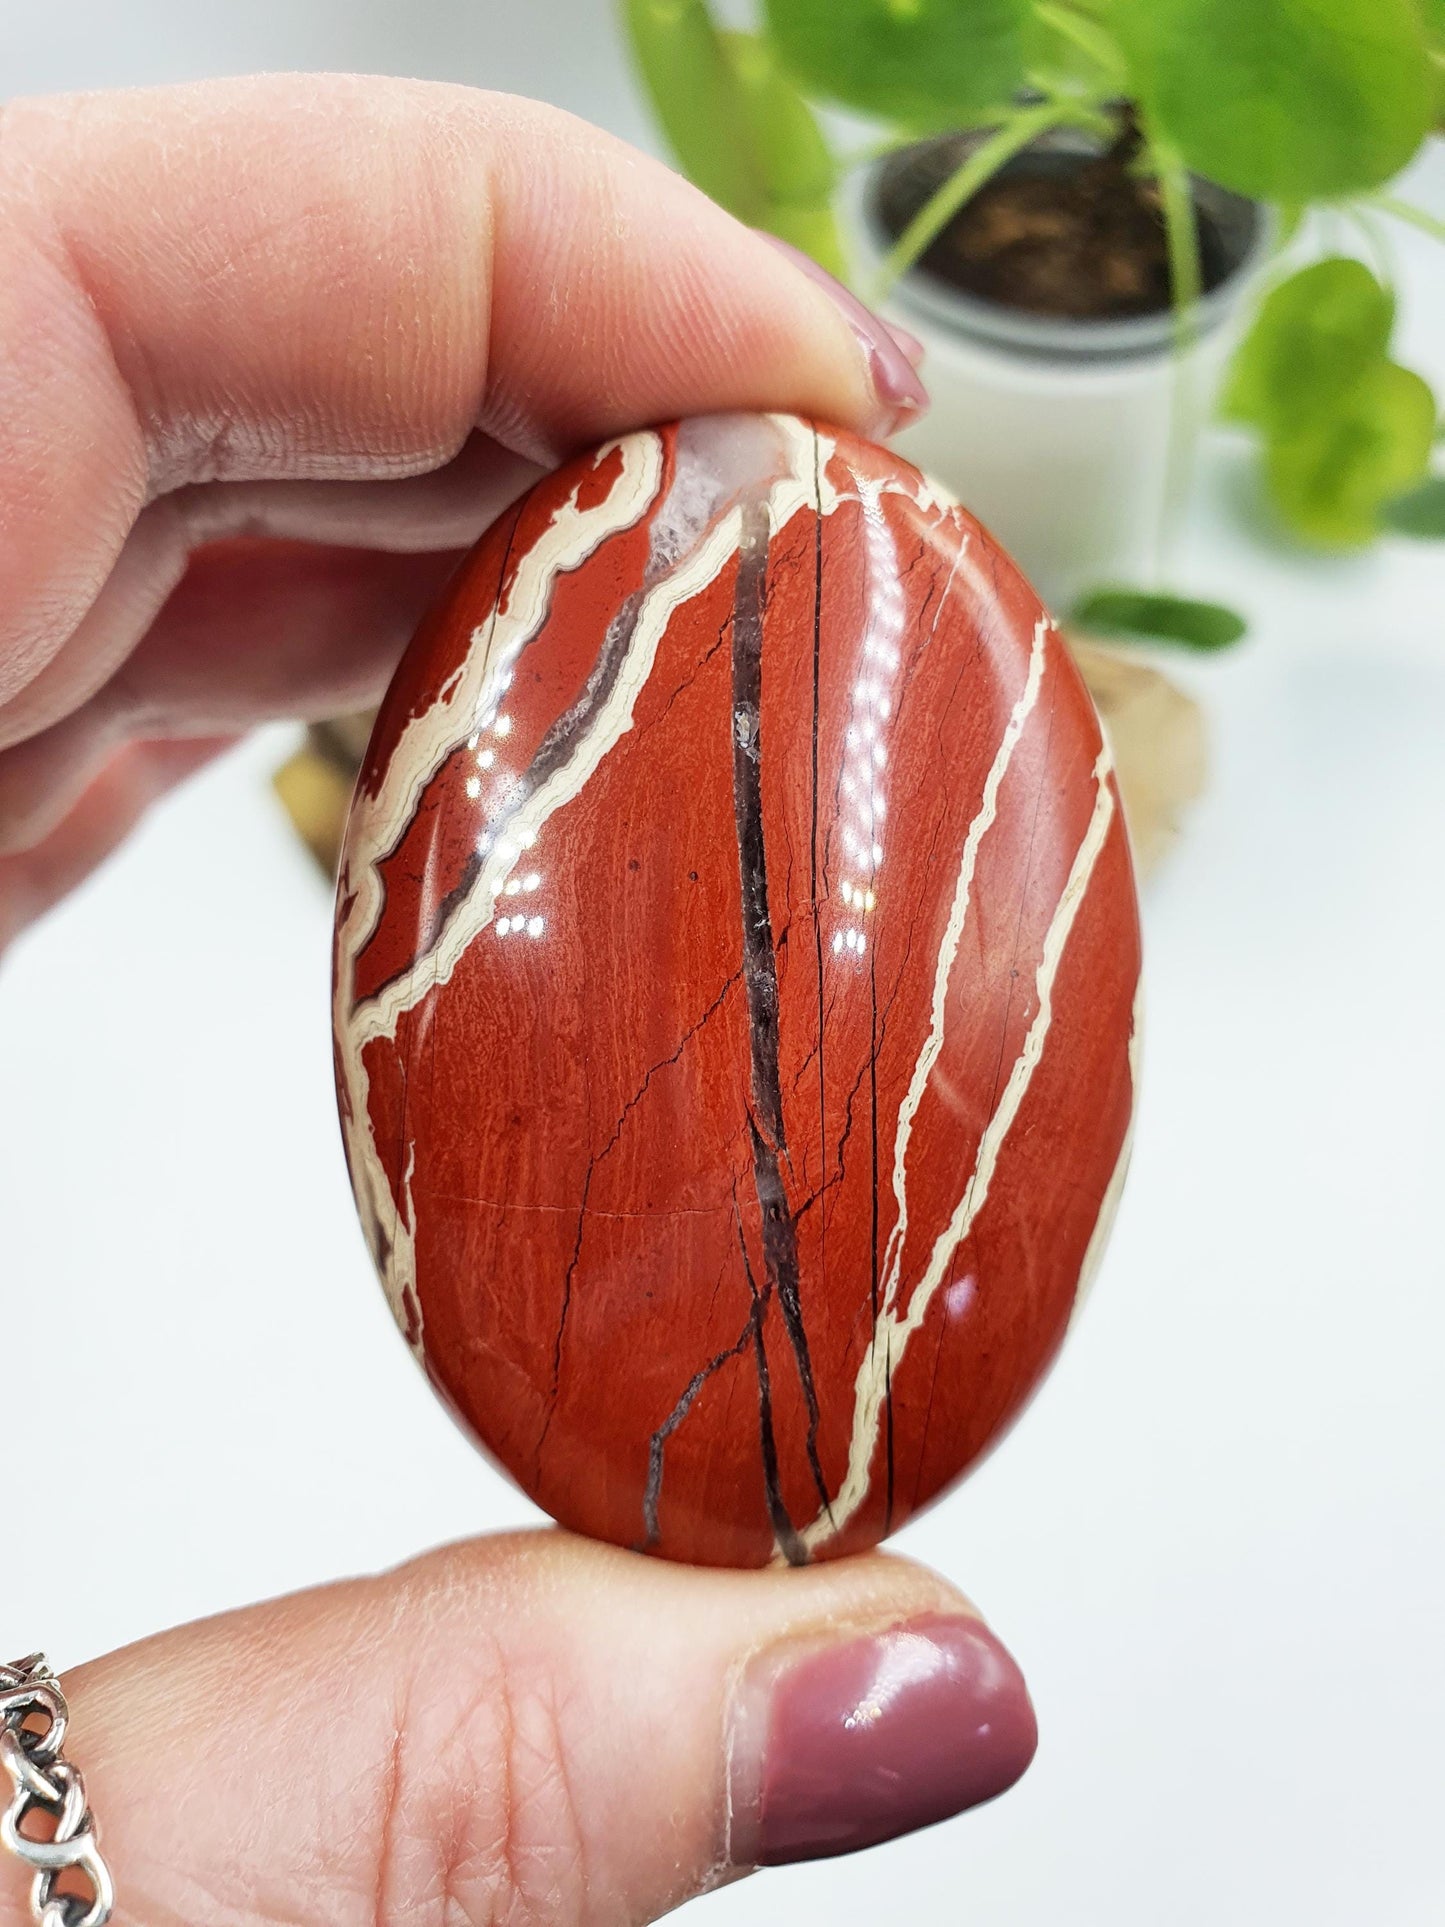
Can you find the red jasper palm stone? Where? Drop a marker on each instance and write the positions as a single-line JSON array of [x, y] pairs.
[[736, 964]]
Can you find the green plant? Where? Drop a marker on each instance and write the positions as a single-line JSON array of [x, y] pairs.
[[1297, 103], [1345, 429]]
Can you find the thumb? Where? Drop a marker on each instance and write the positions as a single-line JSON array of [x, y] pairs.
[[533, 1729]]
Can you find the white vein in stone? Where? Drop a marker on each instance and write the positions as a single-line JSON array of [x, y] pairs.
[[948, 954], [378, 822], [892, 1331]]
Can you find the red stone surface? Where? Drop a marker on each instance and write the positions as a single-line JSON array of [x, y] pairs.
[[735, 979]]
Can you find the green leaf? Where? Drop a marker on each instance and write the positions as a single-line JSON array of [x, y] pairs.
[[923, 65], [1288, 100], [1316, 334], [792, 156], [698, 99], [1435, 40], [1420, 513], [1332, 477], [1066, 52], [1163, 618], [1437, 73], [738, 128]]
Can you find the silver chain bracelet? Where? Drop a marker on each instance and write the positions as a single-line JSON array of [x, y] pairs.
[[46, 1783]]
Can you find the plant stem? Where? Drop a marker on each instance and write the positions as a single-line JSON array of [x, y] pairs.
[[896, 143], [1413, 216], [960, 187], [1181, 234], [869, 152], [1082, 113]]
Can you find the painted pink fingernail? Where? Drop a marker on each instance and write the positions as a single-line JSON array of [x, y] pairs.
[[908, 342], [893, 353], [837, 1748]]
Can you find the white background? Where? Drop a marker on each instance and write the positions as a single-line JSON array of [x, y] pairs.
[[1215, 1542]]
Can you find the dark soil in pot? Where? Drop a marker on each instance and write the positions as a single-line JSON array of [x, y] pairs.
[[1063, 229]]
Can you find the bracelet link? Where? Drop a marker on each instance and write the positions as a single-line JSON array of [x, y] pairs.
[[43, 1781]]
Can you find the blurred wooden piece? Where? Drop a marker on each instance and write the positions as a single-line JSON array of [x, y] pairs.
[[344, 738], [1157, 735], [315, 785]]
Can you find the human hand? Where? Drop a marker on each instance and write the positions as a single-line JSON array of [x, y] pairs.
[[271, 353]]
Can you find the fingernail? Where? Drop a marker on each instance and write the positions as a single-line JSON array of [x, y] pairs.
[[908, 342], [839, 1747], [893, 354]]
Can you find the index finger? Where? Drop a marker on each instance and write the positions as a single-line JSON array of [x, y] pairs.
[[314, 277]]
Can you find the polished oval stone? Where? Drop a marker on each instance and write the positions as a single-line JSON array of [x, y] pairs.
[[735, 981]]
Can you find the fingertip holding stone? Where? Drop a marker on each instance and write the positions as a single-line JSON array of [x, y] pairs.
[[893, 354], [840, 1747]]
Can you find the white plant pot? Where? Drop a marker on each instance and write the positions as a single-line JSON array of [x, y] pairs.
[[1055, 432]]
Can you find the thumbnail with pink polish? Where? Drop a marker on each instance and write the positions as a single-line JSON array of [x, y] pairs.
[[841, 1747]]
